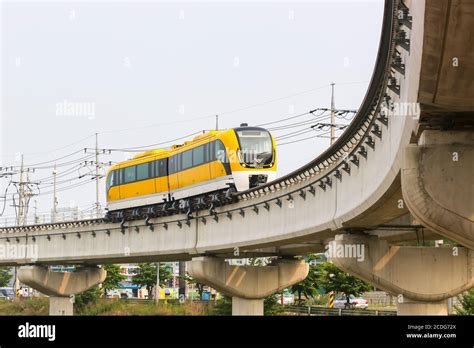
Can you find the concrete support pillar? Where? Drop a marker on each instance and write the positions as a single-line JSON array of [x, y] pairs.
[[409, 307], [248, 285], [422, 278], [60, 285], [244, 306], [437, 183], [59, 305]]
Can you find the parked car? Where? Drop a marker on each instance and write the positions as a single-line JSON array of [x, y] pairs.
[[354, 302], [4, 298], [286, 299], [8, 293], [113, 294]]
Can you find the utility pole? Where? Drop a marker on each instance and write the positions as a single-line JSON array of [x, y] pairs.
[[36, 209], [20, 217], [97, 181], [21, 204], [217, 122], [182, 280], [25, 193], [96, 171], [55, 198], [333, 117], [157, 290]]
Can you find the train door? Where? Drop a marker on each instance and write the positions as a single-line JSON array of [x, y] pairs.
[[173, 166], [161, 177], [186, 173]]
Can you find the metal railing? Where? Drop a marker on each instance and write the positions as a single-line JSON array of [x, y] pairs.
[[47, 218], [324, 311]]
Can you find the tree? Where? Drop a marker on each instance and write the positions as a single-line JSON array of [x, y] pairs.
[[271, 306], [333, 279], [308, 286], [145, 275], [114, 278], [467, 303], [199, 286], [223, 306], [5, 276], [86, 298]]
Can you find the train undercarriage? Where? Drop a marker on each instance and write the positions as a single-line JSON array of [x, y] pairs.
[[188, 206]]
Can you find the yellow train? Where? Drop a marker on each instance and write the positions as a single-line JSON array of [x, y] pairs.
[[188, 175]]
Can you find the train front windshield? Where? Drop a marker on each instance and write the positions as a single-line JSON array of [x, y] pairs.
[[256, 148]]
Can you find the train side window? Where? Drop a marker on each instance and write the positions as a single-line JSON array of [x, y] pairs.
[[110, 180], [206, 152], [220, 151], [129, 174], [198, 155], [187, 159], [142, 171], [178, 163], [170, 165], [173, 164], [151, 169], [163, 167], [212, 151]]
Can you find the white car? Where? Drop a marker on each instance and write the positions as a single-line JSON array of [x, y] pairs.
[[113, 294], [285, 299], [354, 302]]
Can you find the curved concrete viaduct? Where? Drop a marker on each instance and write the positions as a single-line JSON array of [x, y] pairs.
[[409, 149], [310, 205]]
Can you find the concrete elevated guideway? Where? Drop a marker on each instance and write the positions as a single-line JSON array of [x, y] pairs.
[[389, 162]]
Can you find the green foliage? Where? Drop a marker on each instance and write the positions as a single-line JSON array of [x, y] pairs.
[[332, 278], [5, 275], [87, 298], [145, 275], [114, 277], [223, 306], [25, 306], [467, 303], [307, 287], [39, 306], [199, 286], [271, 306]]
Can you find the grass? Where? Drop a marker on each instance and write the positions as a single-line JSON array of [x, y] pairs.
[[107, 307], [28, 306], [40, 306], [383, 308]]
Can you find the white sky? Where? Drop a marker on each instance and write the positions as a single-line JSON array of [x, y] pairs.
[[154, 71]]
